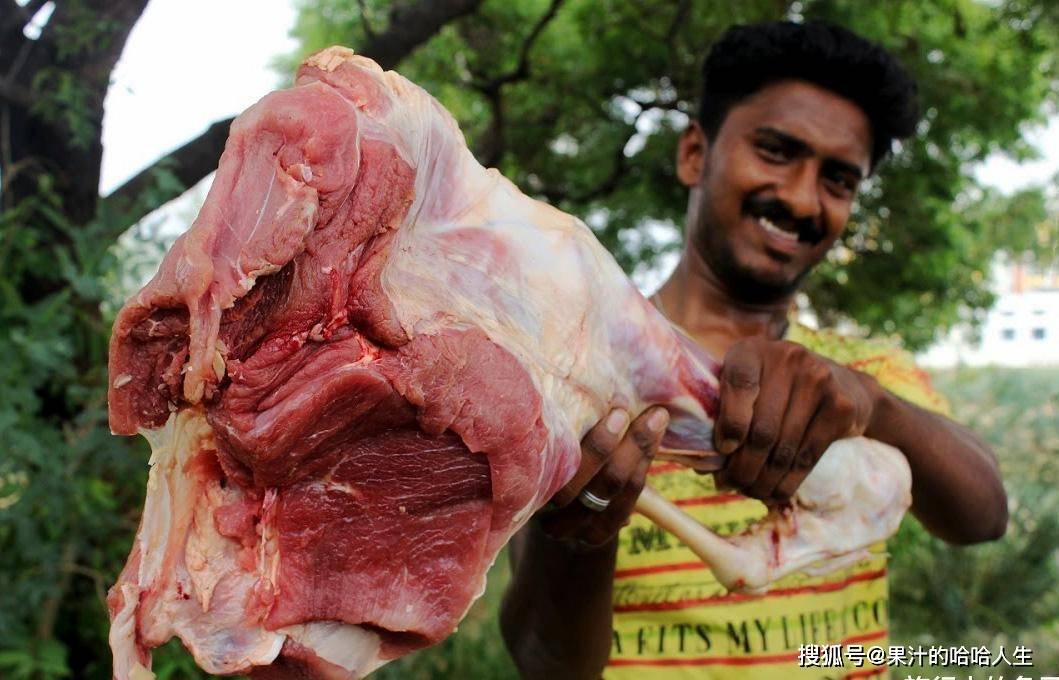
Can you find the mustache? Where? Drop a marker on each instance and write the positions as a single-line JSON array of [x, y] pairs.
[[775, 210]]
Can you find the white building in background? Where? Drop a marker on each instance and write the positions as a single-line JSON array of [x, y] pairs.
[[1022, 328]]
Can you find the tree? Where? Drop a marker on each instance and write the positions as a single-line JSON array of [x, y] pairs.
[[70, 493], [579, 102], [410, 24]]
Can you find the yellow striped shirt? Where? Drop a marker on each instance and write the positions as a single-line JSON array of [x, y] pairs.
[[672, 619]]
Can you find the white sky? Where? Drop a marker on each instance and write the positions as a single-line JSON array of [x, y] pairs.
[[189, 63], [1009, 175]]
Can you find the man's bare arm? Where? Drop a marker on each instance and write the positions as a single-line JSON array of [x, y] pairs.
[[957, 492], [556, 614]]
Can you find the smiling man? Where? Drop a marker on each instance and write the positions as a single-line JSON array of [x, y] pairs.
[[793, 118]]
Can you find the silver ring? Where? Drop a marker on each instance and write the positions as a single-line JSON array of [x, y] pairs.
[[592, 501]]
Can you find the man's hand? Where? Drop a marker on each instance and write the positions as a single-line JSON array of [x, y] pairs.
[[557, 614], [781, 406], [614, 460]]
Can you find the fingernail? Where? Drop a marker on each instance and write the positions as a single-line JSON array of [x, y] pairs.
[[616, 421], [657, 420], [727, 446]]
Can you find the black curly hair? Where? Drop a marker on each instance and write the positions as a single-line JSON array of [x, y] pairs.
[[749, 57]]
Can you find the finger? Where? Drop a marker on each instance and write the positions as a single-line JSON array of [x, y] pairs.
[[801, 407], [622, 505], [748, 462], [576, 522], [596, 449], [739, 387], [821, 433], [625, 502], [640, 441]]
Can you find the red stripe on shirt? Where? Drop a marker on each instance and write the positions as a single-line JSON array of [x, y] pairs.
[[716, 499], [659, 568], [738, 660], [729, 598]]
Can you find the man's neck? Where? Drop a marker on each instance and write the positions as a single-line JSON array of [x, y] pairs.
[[698, 301]]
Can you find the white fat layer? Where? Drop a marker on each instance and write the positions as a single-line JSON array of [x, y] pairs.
[[123, 636], [189, 583], [350, 647]]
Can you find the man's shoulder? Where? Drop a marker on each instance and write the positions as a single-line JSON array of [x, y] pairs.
[[842, 347], [882, 358]]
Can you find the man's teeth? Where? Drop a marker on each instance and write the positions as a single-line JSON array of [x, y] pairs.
[[771, 228]]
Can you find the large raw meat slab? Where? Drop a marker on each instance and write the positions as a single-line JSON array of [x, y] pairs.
[[363, 367], [361, 370]]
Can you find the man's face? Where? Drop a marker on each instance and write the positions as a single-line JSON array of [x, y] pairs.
[[775, 188]]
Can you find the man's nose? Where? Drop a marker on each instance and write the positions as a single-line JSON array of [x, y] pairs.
[[801, 192]]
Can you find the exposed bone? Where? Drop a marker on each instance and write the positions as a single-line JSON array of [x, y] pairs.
[[855, 496], [726, 560]]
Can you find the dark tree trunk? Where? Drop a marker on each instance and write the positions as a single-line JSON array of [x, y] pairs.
[[31, 143], [411, 24], [70, 151]]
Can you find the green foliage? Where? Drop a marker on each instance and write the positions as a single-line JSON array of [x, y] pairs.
[[63, 100], [61, 97], [44, 659], [85, 31], [70, 492], [585, 115], [1002, 592], [1017, 411], [1026, 221], [591, 125]]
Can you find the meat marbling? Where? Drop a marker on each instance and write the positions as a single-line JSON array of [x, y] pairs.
[[361, 370]]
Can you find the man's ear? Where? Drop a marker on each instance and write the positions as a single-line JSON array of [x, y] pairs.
[[691, 154]]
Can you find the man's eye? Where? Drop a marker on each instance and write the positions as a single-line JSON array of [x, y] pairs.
[[844, 184], [771, 151]]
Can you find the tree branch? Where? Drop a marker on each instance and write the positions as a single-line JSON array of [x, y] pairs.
[[521, 72], [16, 94], [189, 164], [608, 185], [15, 16], [97, 66], [368, 30], [492, 144], [618, 167], [644, 18], [411, 25], [678, 20], [62, 136], [16, 45]]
